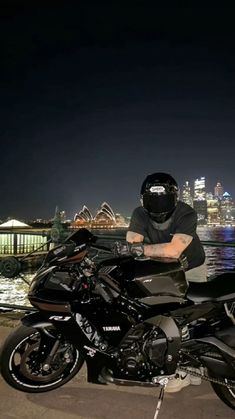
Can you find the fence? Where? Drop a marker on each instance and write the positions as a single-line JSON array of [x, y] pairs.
[[19, 243]]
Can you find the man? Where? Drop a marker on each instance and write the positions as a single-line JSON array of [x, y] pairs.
[[163, 226]]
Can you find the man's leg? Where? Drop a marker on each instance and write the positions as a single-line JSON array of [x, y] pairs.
[[198, 274]]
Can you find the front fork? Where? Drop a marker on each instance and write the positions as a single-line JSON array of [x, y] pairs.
[[46, 345]]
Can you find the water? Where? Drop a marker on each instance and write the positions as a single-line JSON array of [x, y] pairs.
[[219, 259]]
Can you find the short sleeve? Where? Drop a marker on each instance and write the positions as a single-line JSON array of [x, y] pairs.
[[187, 224], [138, 222]]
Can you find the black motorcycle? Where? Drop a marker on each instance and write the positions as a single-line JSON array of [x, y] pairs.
[[134, 321]]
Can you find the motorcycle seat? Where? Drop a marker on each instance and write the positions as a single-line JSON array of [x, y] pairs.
[[220, 288]]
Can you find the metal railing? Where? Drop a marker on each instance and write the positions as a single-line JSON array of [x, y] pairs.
[[22, 242]]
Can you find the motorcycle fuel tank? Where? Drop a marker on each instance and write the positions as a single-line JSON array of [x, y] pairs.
[[145, 278]]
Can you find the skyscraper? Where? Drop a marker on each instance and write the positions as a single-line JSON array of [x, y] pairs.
[[186, 194], [199, 201], [200, 189], [227, 208], [218, 190]]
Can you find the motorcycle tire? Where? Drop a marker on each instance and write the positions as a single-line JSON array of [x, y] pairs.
[[21, 370], [225, 394]]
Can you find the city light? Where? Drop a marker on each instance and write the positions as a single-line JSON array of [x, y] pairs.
[[216, 209]]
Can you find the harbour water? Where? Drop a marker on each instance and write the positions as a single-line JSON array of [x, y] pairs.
[[219, 259]]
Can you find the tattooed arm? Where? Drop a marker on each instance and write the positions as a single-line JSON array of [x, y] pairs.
[[172, 249]]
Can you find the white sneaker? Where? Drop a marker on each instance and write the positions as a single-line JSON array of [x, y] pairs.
[[195, 381], [176, 384]]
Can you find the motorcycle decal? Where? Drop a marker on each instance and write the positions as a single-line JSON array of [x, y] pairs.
[[59, 250], [60, 318], [87, 329], [91, 351], [111, 328]]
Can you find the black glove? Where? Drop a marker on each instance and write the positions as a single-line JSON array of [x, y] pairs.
[[128, 249]]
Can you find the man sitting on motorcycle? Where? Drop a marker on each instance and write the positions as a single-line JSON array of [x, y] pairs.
[[164, 226]]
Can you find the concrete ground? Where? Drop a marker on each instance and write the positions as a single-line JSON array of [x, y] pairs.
[[80, 400]]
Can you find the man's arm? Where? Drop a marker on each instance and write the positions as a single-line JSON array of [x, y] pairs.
[[172, 249]]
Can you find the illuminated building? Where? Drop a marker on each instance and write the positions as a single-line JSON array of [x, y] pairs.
[[105, 213], [199, 201], [84, 216], [227, 209], [186, 194], [213, 211], [218, 190], [200, 189], [104, 218]]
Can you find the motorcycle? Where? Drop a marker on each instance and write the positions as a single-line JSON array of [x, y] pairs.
[[133, 321]]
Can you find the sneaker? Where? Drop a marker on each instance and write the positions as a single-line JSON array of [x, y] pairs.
[[176, 384], [195, 381]]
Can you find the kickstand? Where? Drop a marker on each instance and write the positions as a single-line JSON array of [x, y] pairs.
[[160, 400]]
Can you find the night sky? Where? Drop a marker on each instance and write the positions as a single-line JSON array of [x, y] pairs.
[[95, 96]]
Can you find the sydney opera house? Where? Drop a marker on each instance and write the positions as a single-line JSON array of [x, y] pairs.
[[105, 218]]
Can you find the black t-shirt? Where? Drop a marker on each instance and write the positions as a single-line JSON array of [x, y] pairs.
[[182, 221]]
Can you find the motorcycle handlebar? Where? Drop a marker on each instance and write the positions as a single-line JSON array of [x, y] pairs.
[[100, 247]]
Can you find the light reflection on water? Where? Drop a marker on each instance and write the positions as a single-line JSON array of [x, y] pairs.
[[14, 291], [219, 259]]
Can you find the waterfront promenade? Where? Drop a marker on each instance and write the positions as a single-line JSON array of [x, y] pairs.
[[80, 400]]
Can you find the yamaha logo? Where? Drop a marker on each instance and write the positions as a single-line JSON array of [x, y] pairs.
[[111, 328]]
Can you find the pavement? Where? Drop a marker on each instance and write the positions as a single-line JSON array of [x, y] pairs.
[[81, 400]]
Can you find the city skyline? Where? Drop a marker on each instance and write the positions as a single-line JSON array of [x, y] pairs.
[[188, 187], [95, 97]]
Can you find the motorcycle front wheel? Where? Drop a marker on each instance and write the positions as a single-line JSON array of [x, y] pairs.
[[21, 360]]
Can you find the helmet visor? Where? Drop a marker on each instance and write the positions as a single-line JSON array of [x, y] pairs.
[[158, 204]]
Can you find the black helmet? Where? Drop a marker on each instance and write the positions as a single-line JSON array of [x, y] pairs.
[[159, 194]]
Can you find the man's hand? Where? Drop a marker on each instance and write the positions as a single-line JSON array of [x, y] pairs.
[[129, 249], [121, 249]]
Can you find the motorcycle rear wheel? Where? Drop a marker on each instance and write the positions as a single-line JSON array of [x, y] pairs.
[[21, 368], [227, 395]]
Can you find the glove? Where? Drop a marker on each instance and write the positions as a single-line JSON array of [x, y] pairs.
[[128, 249]]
